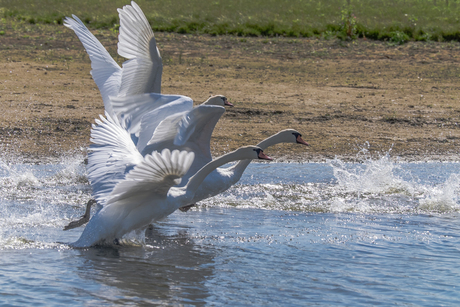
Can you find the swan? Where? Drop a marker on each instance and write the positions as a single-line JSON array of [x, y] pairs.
[[221, 179], [140, 74], [103, 169], [148, 194]]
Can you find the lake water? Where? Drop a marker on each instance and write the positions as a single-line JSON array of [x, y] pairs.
[[370, 233]]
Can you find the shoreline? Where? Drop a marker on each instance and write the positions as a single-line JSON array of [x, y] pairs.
[[341, 96]]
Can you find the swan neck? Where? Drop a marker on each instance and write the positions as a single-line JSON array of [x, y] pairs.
[[196, 180], [272, 140]]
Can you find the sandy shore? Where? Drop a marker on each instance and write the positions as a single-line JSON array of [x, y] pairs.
[[342, 96]]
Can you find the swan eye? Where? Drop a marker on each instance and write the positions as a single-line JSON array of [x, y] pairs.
[[296, 134]]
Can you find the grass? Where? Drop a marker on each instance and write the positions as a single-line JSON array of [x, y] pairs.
[[396, 21]]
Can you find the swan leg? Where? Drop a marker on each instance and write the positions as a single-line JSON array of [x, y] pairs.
[[186, 208], [85, 217]]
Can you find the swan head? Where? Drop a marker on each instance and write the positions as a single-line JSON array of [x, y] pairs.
[[218, 100], [251, 152], [292, 136]]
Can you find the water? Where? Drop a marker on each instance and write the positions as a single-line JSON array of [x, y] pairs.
[[370, 233]]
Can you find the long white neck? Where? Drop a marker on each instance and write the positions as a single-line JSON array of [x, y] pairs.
[[270, 141], [196, 180]]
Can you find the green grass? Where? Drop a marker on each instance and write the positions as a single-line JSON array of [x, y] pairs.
[[394, 20]]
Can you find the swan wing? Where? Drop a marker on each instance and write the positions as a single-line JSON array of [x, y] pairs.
[[190, 131], [154, 176], [142, 74], [110, 157], [152, 119], [105, 71], [163, 136], [178, 130], [135, 33], [131, 109], [197, 125], [139, 77]]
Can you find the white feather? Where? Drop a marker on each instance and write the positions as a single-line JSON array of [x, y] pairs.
[[135, 33], [152, 119], [141, 74], [132, 109], [110, 156], [189, 130], [157, 173], [105, 71]]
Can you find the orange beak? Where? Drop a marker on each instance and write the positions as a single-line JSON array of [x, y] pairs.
[[299, 140], [264, 156], [227, 103]]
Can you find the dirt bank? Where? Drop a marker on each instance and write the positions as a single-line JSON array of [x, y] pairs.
[[342, 96]]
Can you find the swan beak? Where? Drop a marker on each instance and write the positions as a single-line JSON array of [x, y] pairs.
[[264, 156], [227, 103], [299, 140]]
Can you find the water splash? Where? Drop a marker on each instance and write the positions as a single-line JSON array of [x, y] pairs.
[[44, 183], [442, 198], [36, 201], [372, 186]]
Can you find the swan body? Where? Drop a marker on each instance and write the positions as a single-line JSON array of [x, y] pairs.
[[147, 193], [140, 74]]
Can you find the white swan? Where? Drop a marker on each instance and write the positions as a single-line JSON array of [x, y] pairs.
[[147, 193], [221, 179], [140, 74]]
